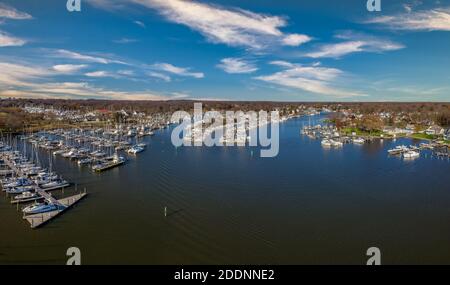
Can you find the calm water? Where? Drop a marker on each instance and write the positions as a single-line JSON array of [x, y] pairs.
[[308, 205]]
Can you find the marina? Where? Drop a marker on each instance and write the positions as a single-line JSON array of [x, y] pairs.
[[34, 187], [187, 205], [331, 138], [39, 219], [30, 184]]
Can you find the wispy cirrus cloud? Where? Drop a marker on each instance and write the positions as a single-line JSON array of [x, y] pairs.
[[81, 90], [234, 27], [354, 43], [13, 74], [181, 71], [68, 68], [66, 54], [8, 12], [314, 79], [140, 24], [437, 19], [161, 76], [34, 81], [236, 65], [100, 74], [125, 41], [7, 40]]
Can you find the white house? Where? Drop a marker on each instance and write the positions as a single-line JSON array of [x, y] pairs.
[[435, 130]]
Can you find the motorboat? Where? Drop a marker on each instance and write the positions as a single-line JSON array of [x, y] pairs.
[[358, 140], [336, 143], [326, 143], [411, 154], [21, 181], [70, 153], [27, 195], [84, 161], [54, 183], [59, 152], [18, 190], [104, 165], [135, 149], [37, 208], [398, 149]]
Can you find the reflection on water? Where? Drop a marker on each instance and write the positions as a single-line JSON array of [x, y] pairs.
[[307, 205]]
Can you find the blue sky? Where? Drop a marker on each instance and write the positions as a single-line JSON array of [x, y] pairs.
[[226, 50]]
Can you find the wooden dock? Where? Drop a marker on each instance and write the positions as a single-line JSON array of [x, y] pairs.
[[37, 220]]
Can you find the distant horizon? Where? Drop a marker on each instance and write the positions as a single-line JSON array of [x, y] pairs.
[[230, 101], [291, 51]]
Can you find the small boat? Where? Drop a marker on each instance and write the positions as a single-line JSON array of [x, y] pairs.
[[105, 165], [413, 147], [336, 143], [326, 143], [17, 183], [20, 189], [53, 184], [85, 161], [135, 149], [398, 150], [70, 153], [359, 141], [59, 152], [411, 154], [26, 196], [37, 208], [98, 153]]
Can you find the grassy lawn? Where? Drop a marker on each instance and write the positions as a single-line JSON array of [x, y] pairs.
[[423, 136], [359, 132]]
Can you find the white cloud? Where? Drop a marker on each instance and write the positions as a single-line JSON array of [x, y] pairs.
[[100, 74], [13, 74], [32, 81], [7, 12], [425, 20], [237, 65], [10, 41], [161, 76], [234, 27], [140, 24], [126, 72], [75, 90], [354, 43], [125, 41], [68, 68], [61, 53], [295, 39], [315, 79], [181, 71], [282, 63]]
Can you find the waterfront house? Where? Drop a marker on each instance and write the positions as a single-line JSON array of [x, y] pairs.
[[393, 131], [434, 130]]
